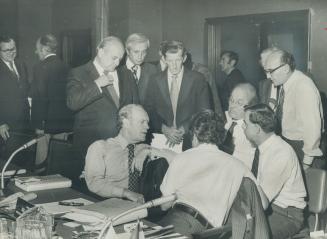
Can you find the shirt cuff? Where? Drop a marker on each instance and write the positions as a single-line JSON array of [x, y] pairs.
[[308, 159]]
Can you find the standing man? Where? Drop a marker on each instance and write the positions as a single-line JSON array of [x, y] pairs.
[[176, 95], [299, 110], [228, 62], [113, 166], [278, 172], [136, 47], [95, 92], [14, 107], [50, 115], [267, 91]]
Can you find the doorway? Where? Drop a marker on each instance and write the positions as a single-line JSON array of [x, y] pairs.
[[248, 35]]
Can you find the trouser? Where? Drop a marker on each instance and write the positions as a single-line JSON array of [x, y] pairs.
[[285, 222], [43, 146]]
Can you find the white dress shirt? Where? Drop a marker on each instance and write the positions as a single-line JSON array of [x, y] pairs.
[[179, 79], [243, 149], [10, 68], [100, 70], [302, 113], [279, 173], [130, 64], [207, 179]]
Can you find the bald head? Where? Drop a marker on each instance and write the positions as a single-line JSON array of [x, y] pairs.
[[243, 94], [109, 53]]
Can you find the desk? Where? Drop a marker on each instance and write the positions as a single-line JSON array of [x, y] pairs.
[[53, 195]]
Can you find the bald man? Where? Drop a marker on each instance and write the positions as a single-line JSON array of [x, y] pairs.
[[95, 92], [236, 143]]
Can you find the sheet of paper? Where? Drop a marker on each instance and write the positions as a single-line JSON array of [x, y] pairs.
[[159, 141], [55, 208]]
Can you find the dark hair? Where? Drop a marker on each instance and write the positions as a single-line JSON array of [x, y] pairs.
[[208, 127], [6, 39], [231, 55], [50, 41], [262, 115], [173, 47], [288, 58]]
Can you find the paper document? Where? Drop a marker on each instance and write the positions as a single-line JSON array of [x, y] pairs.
[[159, 141], [55, 208], [14, 172]]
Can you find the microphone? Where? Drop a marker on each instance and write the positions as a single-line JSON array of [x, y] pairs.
[[25, 146], [152, 203]]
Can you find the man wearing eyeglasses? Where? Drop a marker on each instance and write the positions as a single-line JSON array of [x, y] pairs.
[[299, 108], [14, 108]]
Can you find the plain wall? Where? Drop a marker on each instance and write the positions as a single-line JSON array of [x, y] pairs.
[[184, 20]]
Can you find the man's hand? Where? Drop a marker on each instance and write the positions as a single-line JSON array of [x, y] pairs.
[[135, 197], [140, 154], [104, 80], [39, 132], [4, 131], [163, 153], [173, 135]]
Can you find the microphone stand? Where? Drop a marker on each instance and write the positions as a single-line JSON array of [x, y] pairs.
[[25, 146], [152, 203]]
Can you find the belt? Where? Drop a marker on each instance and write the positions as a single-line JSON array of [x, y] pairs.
[[194, 213]]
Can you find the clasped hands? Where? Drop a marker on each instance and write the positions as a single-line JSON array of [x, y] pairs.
[[174, 136]]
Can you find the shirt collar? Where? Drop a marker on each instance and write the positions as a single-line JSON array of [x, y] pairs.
[[51, 54], [290, 81], [267, 143], [129, 64], [122, 141], [207, 146], [99, 68]]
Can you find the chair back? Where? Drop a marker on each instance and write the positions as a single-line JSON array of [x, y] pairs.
[[316, 181]]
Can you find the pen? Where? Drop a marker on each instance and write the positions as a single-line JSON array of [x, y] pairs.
[[74, 204]]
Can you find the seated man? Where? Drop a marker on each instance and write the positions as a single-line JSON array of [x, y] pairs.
[[113, 166], [205, 179], [236, 142], [278, 172]]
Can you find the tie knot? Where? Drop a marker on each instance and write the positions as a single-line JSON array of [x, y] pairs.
[[134, 68], [131, 147], [106, 72]]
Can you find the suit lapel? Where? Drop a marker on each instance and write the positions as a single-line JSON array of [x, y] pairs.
[[185, 88], [164, 88]]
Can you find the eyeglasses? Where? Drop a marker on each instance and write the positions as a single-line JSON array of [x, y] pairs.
[[273, 70], [9, 50], [237, 102]]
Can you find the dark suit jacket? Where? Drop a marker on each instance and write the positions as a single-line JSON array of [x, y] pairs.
[[95, 113], [148, 70], [49, 109], [14, 108], [194, 96]]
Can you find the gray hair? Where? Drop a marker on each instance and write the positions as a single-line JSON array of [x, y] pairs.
[[136, 38]]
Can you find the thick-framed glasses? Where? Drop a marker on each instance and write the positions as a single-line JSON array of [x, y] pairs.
[[270, 71], [9, 50]]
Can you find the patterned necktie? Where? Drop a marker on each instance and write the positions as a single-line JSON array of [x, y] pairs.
[[228, 145], [133, 175], [12, 68], [255, 163], [134, 70], [279, 110], [174, 95]]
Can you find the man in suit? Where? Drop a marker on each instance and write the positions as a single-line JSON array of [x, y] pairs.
[[176, 94], [299, 108], [136, 47], [228, 62], [14, 107], [50, 115], [96, 91], [266, 90]]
